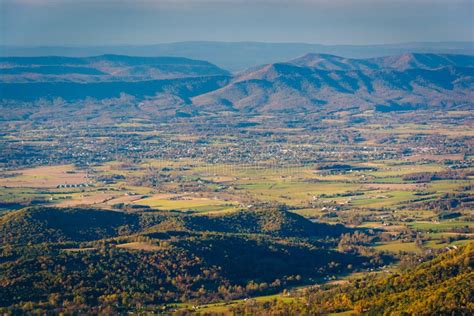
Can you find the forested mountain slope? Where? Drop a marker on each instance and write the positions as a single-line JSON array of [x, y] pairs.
[[442, 286]]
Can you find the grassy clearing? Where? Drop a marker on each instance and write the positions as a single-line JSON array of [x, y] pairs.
[[401, 170], [187, 203], [440, 226], [379, 199], [398, 246], [294, 192], [21, 194], [138, 245], [225, 308]]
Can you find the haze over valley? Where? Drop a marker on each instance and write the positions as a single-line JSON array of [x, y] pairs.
[[236, 168]]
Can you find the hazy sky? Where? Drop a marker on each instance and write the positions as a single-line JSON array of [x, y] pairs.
[[104, 22]]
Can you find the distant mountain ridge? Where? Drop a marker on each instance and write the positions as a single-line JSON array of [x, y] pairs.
[[306, 84], [183, 88], [236, 56], [399, 62], [106, 76], [315, 80], [103, 68]]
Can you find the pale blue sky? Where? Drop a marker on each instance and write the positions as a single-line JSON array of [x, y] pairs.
[[104, 22]]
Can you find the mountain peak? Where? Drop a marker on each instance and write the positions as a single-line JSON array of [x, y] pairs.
[[330, 62], [423, 61], [266, 72], [404, 61]]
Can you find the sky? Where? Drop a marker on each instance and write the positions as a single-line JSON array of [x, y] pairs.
[[112, 22]]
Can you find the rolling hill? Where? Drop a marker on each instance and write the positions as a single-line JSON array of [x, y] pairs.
[[42, 224], [49, 224], [87, 260], [268, 222]]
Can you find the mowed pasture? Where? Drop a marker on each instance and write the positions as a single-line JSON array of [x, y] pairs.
[[85, 198], [444, 226], [19, 194], [44, 177], [398, 247], [293, 192], [187, 203]]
